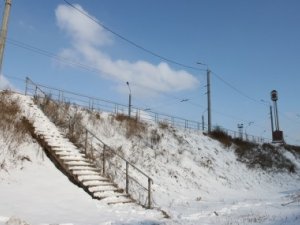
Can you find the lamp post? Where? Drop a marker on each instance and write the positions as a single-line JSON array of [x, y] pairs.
[[129, 100], [208, 97]]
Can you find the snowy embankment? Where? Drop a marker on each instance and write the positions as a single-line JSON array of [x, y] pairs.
[[196, 181]]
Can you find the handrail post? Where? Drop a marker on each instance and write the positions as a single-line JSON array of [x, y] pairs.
[[127, 180], [149, 192], [103, 159], [86, 141]]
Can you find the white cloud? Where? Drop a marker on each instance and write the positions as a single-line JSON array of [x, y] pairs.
[[87, 39], [4, 83]]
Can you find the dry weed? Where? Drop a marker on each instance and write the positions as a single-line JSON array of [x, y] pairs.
[[133, 126]]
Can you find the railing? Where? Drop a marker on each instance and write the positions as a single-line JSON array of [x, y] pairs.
[[107, 159], [98, 104]]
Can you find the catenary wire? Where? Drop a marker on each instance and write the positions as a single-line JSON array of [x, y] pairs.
[[132, 42]]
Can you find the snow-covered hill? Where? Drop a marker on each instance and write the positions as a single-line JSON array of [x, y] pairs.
[[196, 180]]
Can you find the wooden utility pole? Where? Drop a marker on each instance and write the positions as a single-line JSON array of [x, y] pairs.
[[4, 31]]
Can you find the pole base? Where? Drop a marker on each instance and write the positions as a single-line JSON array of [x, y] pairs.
[[277, 136]]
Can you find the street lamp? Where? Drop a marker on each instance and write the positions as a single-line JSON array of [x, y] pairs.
[[129, 100], [208, 97]]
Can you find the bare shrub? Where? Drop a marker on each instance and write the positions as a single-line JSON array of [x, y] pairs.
[[163, 125], [13, 131], [155, 137], [219, 134], [10, 120], [76, 129], [133, 126], [94, 116], [266, 156]]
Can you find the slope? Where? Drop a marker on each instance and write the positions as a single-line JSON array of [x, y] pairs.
[[196, 180]]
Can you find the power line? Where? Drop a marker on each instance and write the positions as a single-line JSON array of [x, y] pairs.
[[52, 55], [235, 89], [132, 42], [156, 54]]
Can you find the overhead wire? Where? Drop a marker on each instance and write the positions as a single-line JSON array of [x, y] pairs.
[[236, 89], [156, 54], [132, 42]]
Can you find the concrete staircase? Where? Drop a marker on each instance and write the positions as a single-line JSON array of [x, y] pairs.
[[69, 159]]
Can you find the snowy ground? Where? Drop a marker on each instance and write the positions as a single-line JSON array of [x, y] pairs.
[[196, 181]]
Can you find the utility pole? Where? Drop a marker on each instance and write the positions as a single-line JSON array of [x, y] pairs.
[[271, 115], [208, 102], [4, 31], [208, 97]]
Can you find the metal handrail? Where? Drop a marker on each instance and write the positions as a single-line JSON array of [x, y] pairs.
[[105, 148], [117, 153], [150, 115]]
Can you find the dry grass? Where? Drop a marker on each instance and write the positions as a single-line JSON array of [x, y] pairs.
[[266, 156], [221, 136], [163, 125], [133, 126], [13, 131], [10, 118]]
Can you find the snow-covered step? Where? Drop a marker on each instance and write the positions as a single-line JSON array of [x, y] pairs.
[[67, 149], [85, 172], [91, 178], [74, 158], [117, 200], [91, 183], [65, 153], [107, 194], [80, 168], [108, 188], [78, 163], [103, 187]]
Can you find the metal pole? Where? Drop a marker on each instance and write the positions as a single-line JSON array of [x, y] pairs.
[[86, 141], [276, 116], [271, 115], [129, 101], [4, 31], [127, 180], [208, 102], [149, 193], [103, 160], [129, 105], [202, 122]]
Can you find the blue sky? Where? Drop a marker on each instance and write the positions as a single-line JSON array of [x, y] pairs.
[[253, 45]]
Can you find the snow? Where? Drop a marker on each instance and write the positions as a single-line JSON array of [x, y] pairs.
[[196, 181]]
